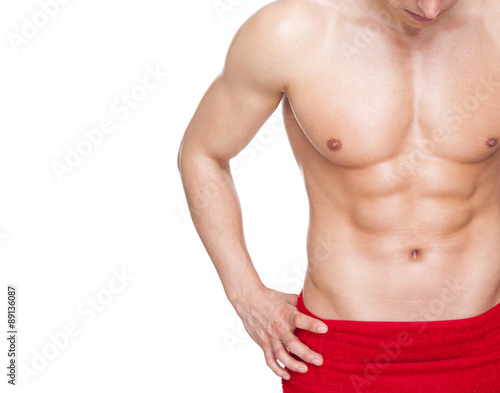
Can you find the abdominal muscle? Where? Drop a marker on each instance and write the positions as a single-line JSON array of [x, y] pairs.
[[403, 256], [404, 194]]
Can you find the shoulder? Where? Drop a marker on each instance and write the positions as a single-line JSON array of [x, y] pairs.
[[490, 12], [288, 19], [274, 37]]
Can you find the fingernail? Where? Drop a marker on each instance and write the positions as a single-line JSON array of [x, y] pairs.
[[322, 329], [287, 377], [302, 370], [317, 362]]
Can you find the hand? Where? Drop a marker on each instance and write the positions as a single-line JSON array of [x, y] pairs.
[[270, 318]]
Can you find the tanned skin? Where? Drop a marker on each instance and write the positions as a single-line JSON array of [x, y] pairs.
[[392, 110]]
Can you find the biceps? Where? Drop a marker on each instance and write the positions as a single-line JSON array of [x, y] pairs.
[[228, 117]]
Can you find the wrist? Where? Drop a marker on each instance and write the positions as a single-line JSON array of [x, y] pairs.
[[241, 293]]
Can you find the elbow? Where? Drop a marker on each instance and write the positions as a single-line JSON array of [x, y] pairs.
[[179, 159], [185, 157], [180, 155], [189, 157]]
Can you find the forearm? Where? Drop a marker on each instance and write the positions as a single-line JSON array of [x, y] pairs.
[[270, 317], [215, 209]]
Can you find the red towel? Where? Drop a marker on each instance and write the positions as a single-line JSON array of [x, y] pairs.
[[453, 356]]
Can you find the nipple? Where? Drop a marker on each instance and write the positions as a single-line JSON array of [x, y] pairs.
[[492, 142], [334, 144]]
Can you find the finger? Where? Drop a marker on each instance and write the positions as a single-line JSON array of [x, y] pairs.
[[284, 357], [297, 347], [273, 364], [305, 322]]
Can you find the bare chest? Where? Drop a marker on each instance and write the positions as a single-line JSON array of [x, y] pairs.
[[360, 108]]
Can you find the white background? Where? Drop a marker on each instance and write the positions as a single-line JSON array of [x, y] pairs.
[[168, 327]]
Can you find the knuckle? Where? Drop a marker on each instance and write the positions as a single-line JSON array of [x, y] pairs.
[[294, 365], [291, 340], [268, 352], [275, 328], [296, 318], [270, 363], [309, 357], [263, 335], [281, 353], [283, 312]]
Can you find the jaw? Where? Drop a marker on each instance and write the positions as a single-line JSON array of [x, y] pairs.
[[405, 23], [411, 20]]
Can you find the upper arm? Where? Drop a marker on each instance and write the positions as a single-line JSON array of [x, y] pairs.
[[246, 92]]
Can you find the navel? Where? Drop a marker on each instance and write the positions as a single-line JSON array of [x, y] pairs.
[[492, 142], [334, 144], [416, 254]]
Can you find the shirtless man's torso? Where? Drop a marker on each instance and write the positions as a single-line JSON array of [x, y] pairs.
[[395, 124]]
